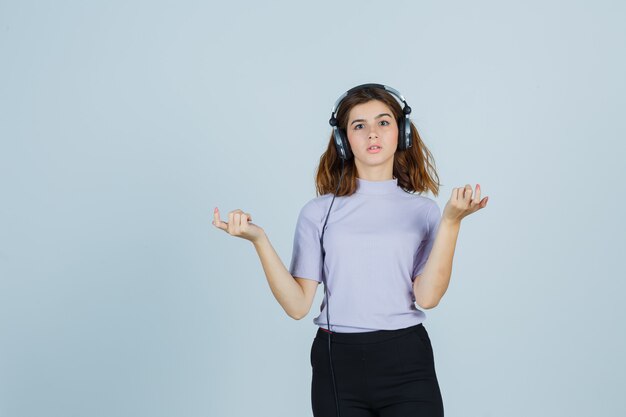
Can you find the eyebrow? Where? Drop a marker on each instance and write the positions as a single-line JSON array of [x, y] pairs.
[[377, 117]]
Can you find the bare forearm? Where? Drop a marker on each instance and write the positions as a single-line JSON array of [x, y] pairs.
[[285, 288], [434, 280]]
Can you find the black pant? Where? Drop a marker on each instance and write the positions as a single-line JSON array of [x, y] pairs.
[[385, 373]]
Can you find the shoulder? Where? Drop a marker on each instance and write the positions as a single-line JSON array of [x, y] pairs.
[[420, 201], [314, 208], [432, 212], [431, 206], [430, 203], [424, 208]]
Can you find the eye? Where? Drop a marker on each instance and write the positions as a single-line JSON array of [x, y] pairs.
[[356, 127], [385, 123]]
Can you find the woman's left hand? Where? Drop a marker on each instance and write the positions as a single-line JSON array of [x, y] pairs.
[[462, 203]]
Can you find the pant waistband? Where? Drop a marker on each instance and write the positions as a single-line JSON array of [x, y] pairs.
[[364, 337]]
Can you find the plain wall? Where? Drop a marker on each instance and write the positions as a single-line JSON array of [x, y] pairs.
[[123, 124]]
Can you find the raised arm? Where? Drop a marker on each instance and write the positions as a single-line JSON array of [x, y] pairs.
[[295, 295], [431, 285]]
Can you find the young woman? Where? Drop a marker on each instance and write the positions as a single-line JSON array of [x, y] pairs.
[[383, 252]]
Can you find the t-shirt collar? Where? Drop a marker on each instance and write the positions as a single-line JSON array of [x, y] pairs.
[[376, 187]]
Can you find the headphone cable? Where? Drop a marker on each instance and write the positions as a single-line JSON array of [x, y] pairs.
[[332, 372]]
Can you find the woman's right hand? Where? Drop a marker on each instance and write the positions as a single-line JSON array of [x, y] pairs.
[[239, 224]]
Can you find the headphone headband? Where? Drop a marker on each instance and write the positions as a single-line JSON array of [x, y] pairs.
[[393, 91]]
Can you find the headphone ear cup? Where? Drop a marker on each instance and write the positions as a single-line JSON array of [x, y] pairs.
[[410, 134], [341, 142], [402, 134], [405, 133]]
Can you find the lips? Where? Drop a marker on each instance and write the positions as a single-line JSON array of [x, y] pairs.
[[374, 150]]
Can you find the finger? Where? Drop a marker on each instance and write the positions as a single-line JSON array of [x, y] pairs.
[[244, 221], [455, 193], [217, 222], [238, 213], [249, 217], [231, 222], [467, 191], [236, 223], [477, 195], [467, 195]]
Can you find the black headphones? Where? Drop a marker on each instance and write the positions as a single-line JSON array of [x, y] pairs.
[[404, 123]]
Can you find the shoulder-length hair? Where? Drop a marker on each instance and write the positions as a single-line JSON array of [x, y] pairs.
[[414, 167]]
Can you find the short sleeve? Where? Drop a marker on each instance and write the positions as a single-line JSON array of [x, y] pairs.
[[433, 217], [306, 257]]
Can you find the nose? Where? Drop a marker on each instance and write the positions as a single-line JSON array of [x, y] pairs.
[[373, 133]]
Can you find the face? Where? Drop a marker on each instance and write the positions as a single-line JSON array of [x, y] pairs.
[[371, 124]]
